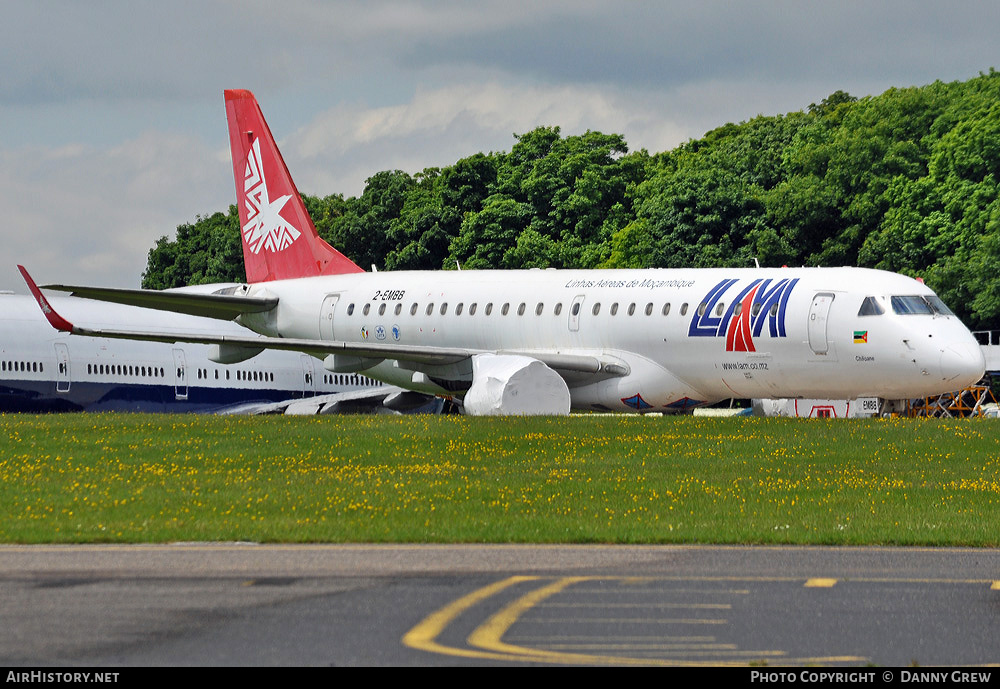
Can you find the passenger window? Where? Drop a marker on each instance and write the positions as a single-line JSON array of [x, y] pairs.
[[472, 309], [684, 309], [666, 309], [444, 308], [576, 309], [413, 309], [719, 308], [649, 309], [458, 309], [597, 308], [557, 310], [489, 308], [399, 308], [701, 309], [430, 308], [381, 310], [520, 309], [614, 309], [350, 310], [505, 309], [631, 309], [368, 307]]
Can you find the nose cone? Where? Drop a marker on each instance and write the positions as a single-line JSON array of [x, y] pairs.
[[962, 364]]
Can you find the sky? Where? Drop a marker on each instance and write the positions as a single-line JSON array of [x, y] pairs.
[[113, 128]]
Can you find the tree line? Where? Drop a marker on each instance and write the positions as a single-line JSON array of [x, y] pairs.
[[904, 181]]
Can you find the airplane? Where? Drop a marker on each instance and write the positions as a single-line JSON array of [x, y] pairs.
[[42, 370], [547, 341]]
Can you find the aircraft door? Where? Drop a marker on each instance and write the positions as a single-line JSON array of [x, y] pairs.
[[308, 381], [819, 313], [62, 367], [180, 375], [574, 312], [326, 314]]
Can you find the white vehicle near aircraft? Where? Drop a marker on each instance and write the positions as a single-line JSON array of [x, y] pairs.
[[547, 341], [43, 370], [818, 409]]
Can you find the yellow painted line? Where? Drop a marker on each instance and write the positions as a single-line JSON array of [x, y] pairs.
[[567, 638], [995, 586], [684, 606], [631, 620], [487, 639], [820, 583], [670, 592], [630, 588], [489, 634], [423, 637], [645, 647], [720, 653]]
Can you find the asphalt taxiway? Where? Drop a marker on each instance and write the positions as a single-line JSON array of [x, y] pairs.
[[336, 605]]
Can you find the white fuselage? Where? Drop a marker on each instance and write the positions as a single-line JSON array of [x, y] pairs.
[[675, 338], [42, 369]]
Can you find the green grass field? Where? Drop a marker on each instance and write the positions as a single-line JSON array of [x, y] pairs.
[[108, 478]]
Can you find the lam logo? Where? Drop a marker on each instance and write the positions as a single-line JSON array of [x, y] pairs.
[[744, 317], [265, 228]]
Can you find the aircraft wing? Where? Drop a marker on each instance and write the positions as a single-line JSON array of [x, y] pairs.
[[417, 354], [220, 306], [384, 399]]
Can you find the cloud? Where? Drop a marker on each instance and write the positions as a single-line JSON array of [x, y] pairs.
[[86, 215], [663, 46], [107, 113], [345, 145]]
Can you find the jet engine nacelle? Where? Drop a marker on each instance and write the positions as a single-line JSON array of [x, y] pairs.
[[505, 384]]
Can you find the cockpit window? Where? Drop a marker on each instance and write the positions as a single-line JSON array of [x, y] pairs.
[[938, 305], [870, 307], [910, 305]]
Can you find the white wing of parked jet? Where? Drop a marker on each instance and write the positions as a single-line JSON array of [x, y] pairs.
[[214, 305], [44, 370]]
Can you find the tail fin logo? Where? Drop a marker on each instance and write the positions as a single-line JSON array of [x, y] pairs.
[[265, 228]]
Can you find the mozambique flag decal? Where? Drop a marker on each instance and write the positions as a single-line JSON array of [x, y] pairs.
[[860, 336]]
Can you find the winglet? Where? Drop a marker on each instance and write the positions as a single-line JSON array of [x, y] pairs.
[[55, 320]]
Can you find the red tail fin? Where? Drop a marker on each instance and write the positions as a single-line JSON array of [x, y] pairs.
[[279, 238]]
